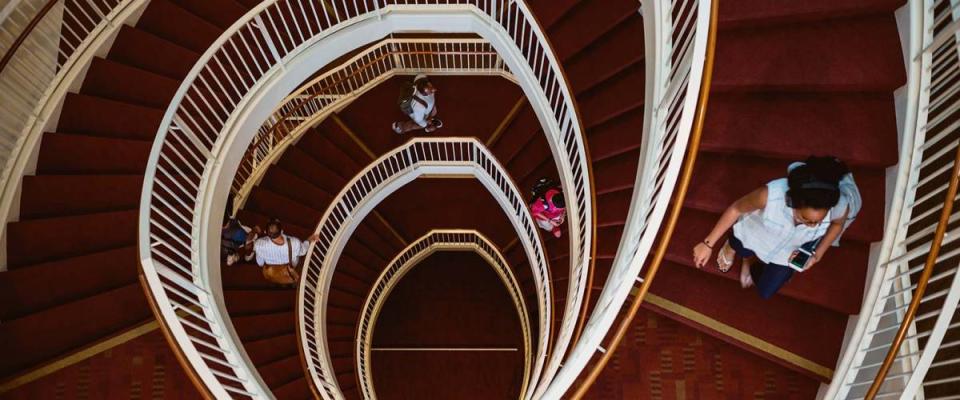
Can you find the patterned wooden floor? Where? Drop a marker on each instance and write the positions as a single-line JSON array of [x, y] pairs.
[[663, 359]]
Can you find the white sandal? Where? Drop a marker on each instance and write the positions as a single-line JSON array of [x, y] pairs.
[[723, 261]]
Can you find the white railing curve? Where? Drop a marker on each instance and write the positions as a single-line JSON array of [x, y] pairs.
[[336, 89], [421, 156], [433, 241], [676, 39], [194, 137], [921, 367]]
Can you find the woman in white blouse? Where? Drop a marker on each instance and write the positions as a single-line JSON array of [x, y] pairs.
[[810, 208]]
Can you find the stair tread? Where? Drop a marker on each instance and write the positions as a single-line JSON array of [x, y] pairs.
[[39, 337], [145, 50], [47, 196], [860, 129], [616, 136], [738, 14], [83, 114], [620, 47], [121, 82], [245, 276], [244, 302], [301, 164], [40, 240], [261, 326], [62, 153], [222, 13], [613, 96], [190, 31], [64, 280], [519, 132], [279, 373], [721, 179], [805, 330], [284, 183], [585, 22], [548, 12], [297, 389], [265, 351], [804, 56], [289, 211], [835, 283], [318, 144]]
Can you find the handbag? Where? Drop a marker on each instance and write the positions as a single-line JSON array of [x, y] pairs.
[[283, 274]]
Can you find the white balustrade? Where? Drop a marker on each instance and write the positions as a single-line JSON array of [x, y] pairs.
[[192, 144], [433, 241], [337, 88], [926, 363], [435, 156], [675, 37]]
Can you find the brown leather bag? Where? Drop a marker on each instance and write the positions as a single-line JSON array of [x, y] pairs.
[[284, 274]]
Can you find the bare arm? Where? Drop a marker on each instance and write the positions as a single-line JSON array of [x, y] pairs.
[[836, 227], [753, 201]]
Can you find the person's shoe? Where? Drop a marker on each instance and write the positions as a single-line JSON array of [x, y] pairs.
[[249, 256], [436, 123], [232, 259], [396, 128]]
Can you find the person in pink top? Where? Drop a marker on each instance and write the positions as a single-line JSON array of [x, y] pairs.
[[548, 208]]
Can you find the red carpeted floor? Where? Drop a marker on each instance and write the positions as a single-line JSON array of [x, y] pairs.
[[663, 359], [462, 290], [143, 368]]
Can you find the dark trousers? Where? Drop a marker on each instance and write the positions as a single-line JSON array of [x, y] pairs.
[[768, 278]]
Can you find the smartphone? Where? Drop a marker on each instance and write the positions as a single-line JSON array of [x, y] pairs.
[[799, 262]]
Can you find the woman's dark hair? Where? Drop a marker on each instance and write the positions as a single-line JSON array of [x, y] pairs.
[[816, 183], [274, 222]]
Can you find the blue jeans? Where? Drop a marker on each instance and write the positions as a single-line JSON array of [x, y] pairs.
[[768, 278]]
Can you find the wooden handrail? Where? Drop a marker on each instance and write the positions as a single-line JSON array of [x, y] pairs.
[[693, 148], [26, 32], [931, 261]]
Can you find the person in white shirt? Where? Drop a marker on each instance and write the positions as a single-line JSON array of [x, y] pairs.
[[276, 249], [809, 209], [420, 106]]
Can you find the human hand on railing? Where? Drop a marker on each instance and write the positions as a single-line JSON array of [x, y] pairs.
[[701, 253], [313, 238]]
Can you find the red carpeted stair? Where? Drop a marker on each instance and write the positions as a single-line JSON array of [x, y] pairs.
[[75, 239], [790, 80]]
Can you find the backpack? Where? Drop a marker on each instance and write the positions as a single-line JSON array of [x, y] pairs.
[[408, 96]]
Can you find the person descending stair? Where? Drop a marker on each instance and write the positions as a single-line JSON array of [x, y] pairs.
[[548, 207], [278, 254], [785, 226], [418, 101]]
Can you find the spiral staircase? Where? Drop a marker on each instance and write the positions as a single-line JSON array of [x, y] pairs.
[[117, 173]]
